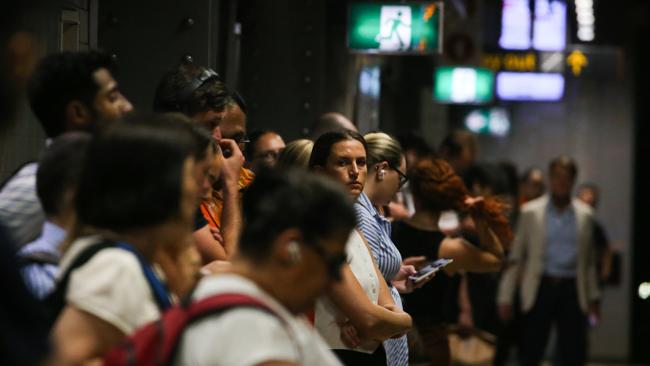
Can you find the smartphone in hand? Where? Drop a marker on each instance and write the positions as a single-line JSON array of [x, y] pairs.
[[429, 269]]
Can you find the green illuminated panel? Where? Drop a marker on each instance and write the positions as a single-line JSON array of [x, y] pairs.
[[394, 27], [463, 85]]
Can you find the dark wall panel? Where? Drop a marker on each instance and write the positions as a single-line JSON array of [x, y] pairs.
[[282, 63], [149, 37]]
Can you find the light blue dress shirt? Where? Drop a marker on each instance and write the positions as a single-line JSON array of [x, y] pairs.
[[561, 242], [40, 277]]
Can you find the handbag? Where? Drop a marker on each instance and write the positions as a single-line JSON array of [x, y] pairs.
[[471, 347]]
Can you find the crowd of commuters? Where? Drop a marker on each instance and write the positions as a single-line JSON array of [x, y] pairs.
[[129, 215]]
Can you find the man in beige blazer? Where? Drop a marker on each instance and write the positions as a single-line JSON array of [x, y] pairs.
[[553, 263]]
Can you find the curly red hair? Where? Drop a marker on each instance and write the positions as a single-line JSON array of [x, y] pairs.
[[437, 188]]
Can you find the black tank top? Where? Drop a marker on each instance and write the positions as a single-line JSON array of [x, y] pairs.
[[425, 305]]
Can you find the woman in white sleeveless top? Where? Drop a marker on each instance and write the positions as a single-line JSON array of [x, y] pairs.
[[361, 302]]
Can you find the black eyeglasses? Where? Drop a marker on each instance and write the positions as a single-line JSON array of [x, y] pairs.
[[402, 177], [241, 140], [332, 262]]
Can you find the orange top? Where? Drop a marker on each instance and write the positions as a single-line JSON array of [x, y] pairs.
[[212, 208]]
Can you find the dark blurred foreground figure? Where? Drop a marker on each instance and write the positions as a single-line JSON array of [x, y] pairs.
[[23, 330], [137, 196], [285, 261], [554, 265], [69, 91]]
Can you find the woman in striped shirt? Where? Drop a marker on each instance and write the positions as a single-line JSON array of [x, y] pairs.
[[386, 167]]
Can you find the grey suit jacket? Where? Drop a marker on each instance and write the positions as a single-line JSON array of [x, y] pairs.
[[526, 261]]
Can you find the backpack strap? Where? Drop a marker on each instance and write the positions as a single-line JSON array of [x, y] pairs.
[[56, 300], [211, 306], [160, 291], [221, 302], [38, 258], [157, 342]]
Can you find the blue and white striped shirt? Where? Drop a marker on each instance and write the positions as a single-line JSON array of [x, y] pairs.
[[20, 209], [40, 277], [376, 229]]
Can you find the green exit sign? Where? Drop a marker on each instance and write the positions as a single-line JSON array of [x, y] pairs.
[[395, 27], [463, 85]]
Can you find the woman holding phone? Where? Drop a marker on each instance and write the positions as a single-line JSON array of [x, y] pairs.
[[436, 188], [361, 304], [386, 175]]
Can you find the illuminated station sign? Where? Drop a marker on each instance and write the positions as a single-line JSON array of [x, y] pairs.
[[546, 31], [493, 121], [586, 20], [463, 85], [531, 62], [395, 28], [530, 86]]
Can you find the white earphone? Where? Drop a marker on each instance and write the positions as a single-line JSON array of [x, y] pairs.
[[381, 172], [294, 252]]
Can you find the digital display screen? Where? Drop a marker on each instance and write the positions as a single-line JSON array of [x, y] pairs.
[[515, 25], [395, 27], [549, 26], [530, 86], [545, 30]]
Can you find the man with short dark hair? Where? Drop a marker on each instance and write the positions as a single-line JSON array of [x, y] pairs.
[[553, 263], [201, 94], [69, 91], [73, 91]]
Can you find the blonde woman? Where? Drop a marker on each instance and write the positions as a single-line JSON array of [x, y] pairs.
[[296, 154]]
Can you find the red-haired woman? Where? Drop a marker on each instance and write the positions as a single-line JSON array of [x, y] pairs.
[[436, 188]]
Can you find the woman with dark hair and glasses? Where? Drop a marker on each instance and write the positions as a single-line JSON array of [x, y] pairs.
[[285, 262], [138, 195], [358, 313]]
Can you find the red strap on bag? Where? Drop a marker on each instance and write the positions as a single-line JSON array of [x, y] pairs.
[[155, 343]]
